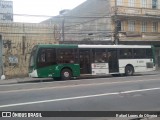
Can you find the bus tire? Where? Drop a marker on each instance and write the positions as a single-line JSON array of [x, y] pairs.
[[129, 70], [66, 74]]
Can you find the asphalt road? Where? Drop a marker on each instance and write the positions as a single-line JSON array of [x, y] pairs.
[[137, 93]]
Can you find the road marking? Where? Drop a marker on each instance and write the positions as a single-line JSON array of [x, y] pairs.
[[80, 85], [78, 97]]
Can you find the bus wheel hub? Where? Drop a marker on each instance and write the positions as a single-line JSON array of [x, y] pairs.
[[66, 74]]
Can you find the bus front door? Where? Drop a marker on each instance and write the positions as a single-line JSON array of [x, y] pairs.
[[85, 61], [113, 61]]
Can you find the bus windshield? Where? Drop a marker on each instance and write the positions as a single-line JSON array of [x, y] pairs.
[[32, 57]]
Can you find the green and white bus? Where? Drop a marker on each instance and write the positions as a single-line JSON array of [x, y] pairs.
[[67, 61]]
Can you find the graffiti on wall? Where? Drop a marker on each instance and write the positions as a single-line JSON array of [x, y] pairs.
[[18, 41], [16, 57]]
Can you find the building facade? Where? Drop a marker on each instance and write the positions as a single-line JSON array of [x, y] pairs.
[[98, 20], [136, 19], [89, 21], [126, 21]]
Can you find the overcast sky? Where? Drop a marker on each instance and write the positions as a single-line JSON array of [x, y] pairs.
[[41, 7]]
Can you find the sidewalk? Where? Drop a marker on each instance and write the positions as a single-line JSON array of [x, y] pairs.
[[24, 80], [33, 80]]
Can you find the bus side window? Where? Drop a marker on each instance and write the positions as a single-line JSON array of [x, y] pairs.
[[139, 53], [41, 60], [104, 57], [46, 57], [126, 53], [100, 56], [41, 56], [60, 56], [50, 56], [149, 53], [65, 56]]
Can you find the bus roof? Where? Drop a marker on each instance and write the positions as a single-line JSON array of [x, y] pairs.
[[114, 46], [91, 46], [58, 45]]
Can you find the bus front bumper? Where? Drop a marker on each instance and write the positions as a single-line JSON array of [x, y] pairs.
[[33, 74]]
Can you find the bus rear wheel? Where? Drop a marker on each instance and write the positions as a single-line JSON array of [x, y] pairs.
[[129, 70], [66, 74]]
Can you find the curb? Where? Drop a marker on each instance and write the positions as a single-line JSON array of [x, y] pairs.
[[36, 80]]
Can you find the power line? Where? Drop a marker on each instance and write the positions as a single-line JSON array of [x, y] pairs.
[[57, 17]]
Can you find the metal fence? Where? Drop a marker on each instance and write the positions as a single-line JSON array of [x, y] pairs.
[[17, 40]]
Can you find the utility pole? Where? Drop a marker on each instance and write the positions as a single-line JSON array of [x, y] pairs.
[[116, 36], [1, 56], [63, 21]]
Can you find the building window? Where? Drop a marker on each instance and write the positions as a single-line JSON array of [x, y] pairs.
[[131, 3], [144, 26], [155, 26], [131, 25], [154, 4], [119, 2], [122, 26], [119, 25], [144, 3]]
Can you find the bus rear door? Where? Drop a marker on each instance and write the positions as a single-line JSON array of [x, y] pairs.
[[85, 61], [113, 61]]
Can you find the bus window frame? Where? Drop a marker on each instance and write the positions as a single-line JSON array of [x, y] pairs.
[[103, 56], [151, 51], [71, 61], [127, 57], [141, 56], [41, 64]]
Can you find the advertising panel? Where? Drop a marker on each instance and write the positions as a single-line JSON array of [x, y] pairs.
[[6, 11]]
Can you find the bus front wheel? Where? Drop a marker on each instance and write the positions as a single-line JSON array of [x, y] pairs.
[[66, 74], [129, 70]]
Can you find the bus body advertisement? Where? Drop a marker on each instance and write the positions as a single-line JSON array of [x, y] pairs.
[[67, 61]]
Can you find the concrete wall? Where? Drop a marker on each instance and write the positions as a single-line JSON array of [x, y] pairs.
[[18, 40]]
